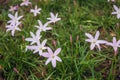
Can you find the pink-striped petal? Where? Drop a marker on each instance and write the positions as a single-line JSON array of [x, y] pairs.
[[114, 13], [48, 60], [54, 63], [92, 46], [115, 7], [97, 35], [46, 54], [58, 59], [57, 51], [88, 40], [89, 35], [50, 51]]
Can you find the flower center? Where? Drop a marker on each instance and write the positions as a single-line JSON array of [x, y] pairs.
[[53, 56], [94, 41], [119, 11], [115, 46], [40, 48]]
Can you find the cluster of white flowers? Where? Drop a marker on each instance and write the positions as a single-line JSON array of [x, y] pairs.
[[39, 47], [36, 45], [13, 23], [95, 42]]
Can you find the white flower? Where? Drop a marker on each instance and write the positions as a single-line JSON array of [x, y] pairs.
[[34, 39], [35, 11], [94, 41], [52, 57], [14, 19], [117, 11], [53, 18], [25, 2], [38, 48], [115, 44], [42, 27], [13, 23], [13, 8], [12, 28]]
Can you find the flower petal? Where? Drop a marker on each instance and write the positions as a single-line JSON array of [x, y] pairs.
[[44, 42], [13, 32], [54, 63], [19, 17], [115, 49], [97, 35], [52, 15], [88, 40], [98, 47], [114, 40], [114, 13], [118, 16], [89, 35], [46, 54], [50, 51], [110, 44], [31, 47], [92, 46], [11, 16], [40, 52], [115, 7], [40, 23], [101, 41], [29, 39], [58, 59], [57, 51], [48, 60]]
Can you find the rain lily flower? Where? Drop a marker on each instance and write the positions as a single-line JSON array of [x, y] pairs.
[[25, 3], [52, 57], [38, 48], [53, 18], [94, 40], [115, 44], [12, 28], [14, 19], [117, 11], [34, 39], [13, 8], [35, 11], [13, 23], [42, 27]]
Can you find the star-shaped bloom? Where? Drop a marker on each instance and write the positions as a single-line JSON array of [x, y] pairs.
[[14, 19], [43, 27], [94, 40], [12, 28], [53, 18], [34, 39], [115, 44], [35, 11], [13, 8], [38, 48], [25, 3], [52, 57], [117, 11]]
